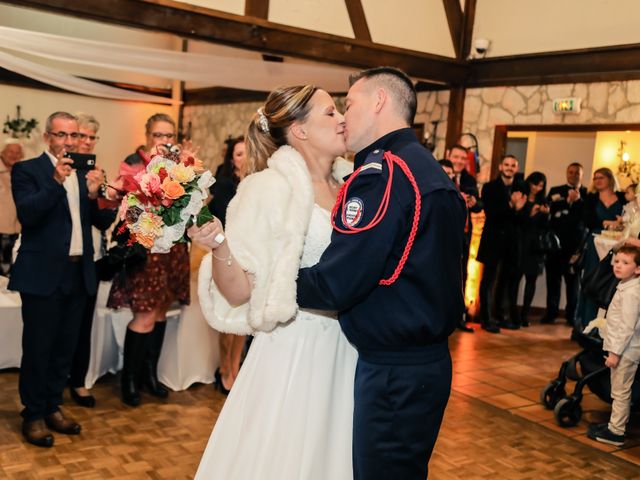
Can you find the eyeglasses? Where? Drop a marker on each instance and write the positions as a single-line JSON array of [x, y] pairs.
[[163, 135], [73, 135], [84, 136]]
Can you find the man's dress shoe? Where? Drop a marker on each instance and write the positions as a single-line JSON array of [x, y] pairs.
[[58, 423], [36, 433]]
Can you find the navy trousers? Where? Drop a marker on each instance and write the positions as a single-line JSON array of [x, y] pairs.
[[397, 416], [49, 337]]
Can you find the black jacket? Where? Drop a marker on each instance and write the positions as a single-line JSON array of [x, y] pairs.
[[497, 235], [43, 211], [567, 220]]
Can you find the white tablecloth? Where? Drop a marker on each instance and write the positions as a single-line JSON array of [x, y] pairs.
[[605, 244], [10, 330], [189, 353]]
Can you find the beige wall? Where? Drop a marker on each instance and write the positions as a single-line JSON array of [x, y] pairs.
[[551, 152], [607, 153], [519, 26], [121, 123]]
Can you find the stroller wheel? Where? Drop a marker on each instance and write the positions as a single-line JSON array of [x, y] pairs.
[[568, 412], [551, 393]]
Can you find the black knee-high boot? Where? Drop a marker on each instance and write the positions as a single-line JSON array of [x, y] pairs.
[[134, 351], [152, 354]]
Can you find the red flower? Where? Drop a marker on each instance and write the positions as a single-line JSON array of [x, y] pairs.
[[162, 173], [189, 161]]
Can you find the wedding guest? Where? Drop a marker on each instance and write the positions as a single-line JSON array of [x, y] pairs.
[[566, 204], [529, 257], [501, 202], [88, 128], [54, 272], [466, 183], [149, 288], [447, 166], [622, 344], [9, 225], [602, 207], [222, 191]]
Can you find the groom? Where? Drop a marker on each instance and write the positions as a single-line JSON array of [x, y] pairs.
[[403, 375]]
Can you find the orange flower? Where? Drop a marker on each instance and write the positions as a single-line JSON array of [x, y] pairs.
[[145, 240], [172, 189]]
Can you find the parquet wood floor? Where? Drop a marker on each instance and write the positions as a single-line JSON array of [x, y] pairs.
[[493, 427]]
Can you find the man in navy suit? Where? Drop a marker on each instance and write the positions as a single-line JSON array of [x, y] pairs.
[[54, 272]]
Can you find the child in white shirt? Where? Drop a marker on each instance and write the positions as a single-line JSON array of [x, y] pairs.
[[622, 342]]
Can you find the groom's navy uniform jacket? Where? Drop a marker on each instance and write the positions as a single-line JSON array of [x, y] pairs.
[[402, 322], [406, 323]]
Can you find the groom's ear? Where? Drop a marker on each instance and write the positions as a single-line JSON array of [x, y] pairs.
[[298, 131], [381, 99]]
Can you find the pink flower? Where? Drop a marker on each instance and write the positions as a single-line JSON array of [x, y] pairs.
[[150, 183]]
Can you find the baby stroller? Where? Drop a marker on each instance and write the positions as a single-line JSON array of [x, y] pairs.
[[587, 369]]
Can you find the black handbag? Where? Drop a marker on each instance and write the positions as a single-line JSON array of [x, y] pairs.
[[547, 242], [599, 284], [121, 257]]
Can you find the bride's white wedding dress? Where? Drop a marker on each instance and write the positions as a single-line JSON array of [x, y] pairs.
[[289, 414]]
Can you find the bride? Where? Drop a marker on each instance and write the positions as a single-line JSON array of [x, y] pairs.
[[289, 413]]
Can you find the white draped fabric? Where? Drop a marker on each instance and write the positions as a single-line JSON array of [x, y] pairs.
[[68, 82], [215, 70]]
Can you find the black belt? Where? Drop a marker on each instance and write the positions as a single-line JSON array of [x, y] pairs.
[[75, 258]]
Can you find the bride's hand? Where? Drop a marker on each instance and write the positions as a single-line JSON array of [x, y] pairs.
[[210, 235]]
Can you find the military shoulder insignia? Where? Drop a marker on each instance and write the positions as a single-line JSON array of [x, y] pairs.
[[373, 163]]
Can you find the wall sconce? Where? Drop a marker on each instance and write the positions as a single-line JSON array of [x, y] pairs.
[[624, 156]]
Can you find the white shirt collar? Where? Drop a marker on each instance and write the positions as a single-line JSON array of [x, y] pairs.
[[52, 157]]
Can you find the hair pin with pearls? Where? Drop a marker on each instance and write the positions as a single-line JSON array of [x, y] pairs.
[[262, 121]]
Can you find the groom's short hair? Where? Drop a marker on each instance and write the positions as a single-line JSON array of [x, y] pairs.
[[397, 83]]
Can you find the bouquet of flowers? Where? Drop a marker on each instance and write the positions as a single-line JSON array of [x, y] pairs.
[[163, 200]]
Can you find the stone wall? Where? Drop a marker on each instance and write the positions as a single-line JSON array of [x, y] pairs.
[[432, 107], [484, 108], [211, 125]]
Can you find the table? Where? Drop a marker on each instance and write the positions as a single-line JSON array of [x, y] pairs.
[[10, 328], [605, 244], [189, 352]]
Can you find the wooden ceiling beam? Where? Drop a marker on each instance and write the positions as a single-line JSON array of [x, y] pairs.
[[469, 18], [358, 19], [257, 8], [455, 20], [220, 95], [195, 22], [587, 65]]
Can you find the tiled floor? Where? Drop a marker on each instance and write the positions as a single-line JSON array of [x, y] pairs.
[[509, 371]]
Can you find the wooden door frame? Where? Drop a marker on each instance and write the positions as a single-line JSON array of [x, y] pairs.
[[501, 132]]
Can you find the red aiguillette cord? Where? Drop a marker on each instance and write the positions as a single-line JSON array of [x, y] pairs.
[[391, 159]]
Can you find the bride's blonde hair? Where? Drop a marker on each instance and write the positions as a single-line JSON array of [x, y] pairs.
[[267, 130]]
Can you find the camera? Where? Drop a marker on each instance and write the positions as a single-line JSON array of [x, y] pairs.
[[481, 45]]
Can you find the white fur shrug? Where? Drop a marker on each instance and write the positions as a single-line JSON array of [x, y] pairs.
[[267, 223]]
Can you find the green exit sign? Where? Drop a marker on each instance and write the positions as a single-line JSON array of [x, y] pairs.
[[567, 105]]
